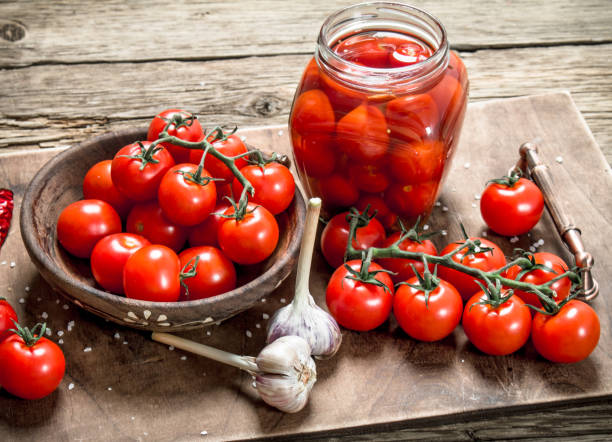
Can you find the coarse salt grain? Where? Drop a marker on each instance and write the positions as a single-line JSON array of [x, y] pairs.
[[44, 315], [514, 239], [3, 263], [437, 204], [280, 133], [540, 242], [426, 227], [183, 358], [117, 335], [125, 342], [60, 332], [57, 301], [474, 205], [283, 300], [476, 196], [39, 299], [249, 334], [258, 325], [10, 289], [70, 386], [60, 342], [263, 299], [444, 209], [466, 165], [12, 264], [86, 349], [444, 232], [265, 316], [242, 137], [110, 388], [559, 159], [203, 433], [133, 418], [171, 347], [208, 333], [532, 249], [254, 384], [21, 300], [48, 332], [65, 307], [485, 234], [27, 288]]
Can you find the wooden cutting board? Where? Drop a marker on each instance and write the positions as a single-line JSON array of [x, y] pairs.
[[119, 385]]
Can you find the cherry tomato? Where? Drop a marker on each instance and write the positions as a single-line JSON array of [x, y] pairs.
[[183, 200], [109, 257], [148, 220], [370, 178], [512, 209], [205, 233], [310, 77], [334, 238], [569, 336], [312, 113], [7, 316], [274, 186], [540, 276], [448, 95], [98, 185], [134, 180], [190, 130], [314, 153], [486, 261], [229, 146], [418, 162], [412, 117], [427, 320], [152, 274], [215, 273], [409, 53], [251, 239], [357, 305], [377, 204], [497, 330], [365, 50], [338, 191], [411, 200], [30, 371], [400, 266], [362, 134], [83, 223]]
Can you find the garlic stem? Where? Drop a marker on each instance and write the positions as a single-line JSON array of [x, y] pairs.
[[306, 249], [241, 362]]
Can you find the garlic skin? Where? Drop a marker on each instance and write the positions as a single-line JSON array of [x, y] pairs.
[[304, 318], [286, 373]]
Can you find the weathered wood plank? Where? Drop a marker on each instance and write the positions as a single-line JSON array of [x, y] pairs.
[[53, 107], [41, 31]]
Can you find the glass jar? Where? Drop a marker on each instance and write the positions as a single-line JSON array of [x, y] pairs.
[[378, 111]]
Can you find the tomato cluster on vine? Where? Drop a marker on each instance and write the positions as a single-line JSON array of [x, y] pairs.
[[429, 301], [183, 185]]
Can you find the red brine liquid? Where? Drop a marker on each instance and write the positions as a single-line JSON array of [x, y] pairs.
[[391, 149]]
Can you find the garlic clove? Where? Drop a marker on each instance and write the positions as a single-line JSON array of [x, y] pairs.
[[286, 374]]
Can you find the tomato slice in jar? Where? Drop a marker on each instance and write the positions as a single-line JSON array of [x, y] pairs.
[[411, 200], [338, 191], [408, 53], [366, 50], [314, 153], [416, 162], [412, 117], [371, 178], [312, 113], [362, 134]]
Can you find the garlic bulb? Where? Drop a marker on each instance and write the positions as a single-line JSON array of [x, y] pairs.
[[287, 373], [303, 317], [284, 371]]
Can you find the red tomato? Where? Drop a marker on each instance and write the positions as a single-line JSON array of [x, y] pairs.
[[184, 201], [365, 50], [427, 321], [357, 305], [569, 336], [412, 117], [448, 95], [312, 113], [7, 316], [370, 178], [152, 274], [486, 261], [338, 191], [334, 238], [411, 200], [215, 273], [148, 220], [83, 223], [342, 98], [540, 276], [109, 257], [409, 53], [314, 153], [497, 330], [205, 234], [310, 77], [251, 239], [136, 178], [512, 209], [30, 371], [98, 185], [383, 213], [231, 146], [401, 266], [190, 130], [362, 134], [273, 183], [412, 163]]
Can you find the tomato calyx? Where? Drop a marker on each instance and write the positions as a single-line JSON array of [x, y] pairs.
[[529, 263], [471, 246], [495, 295], [189, 270], [240, 209], [428, 281], [30, 337], [507, 180], [366, 275], [261, 160], [178, 120], [146, 155], [415, 233]]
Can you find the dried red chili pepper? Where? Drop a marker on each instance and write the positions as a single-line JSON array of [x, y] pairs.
[[6, 213]]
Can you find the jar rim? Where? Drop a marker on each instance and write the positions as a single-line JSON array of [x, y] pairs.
[[385, 78]]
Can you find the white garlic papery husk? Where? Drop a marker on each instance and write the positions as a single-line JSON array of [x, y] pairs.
[[286, 374], [304, 318]]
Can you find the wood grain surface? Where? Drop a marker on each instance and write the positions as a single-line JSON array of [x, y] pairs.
[[72, 69], [381, 385]]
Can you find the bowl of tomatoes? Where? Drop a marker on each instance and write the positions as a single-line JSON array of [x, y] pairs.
[[76, 240]]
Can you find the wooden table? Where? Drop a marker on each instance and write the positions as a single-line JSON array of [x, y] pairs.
[[78, 69]]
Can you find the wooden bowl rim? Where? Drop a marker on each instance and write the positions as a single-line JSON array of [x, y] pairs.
[[32, 245]]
